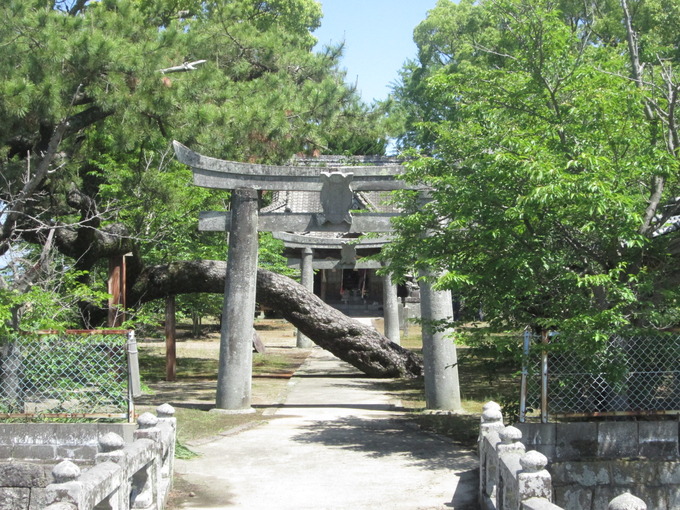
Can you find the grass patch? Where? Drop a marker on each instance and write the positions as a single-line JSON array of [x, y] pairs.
[[193, 393], [484, 375]]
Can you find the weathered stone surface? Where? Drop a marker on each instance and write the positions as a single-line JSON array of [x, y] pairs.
[[574, 497], [669, 473], [585, 474], [617, 439], [658, 439], [37, 452], [673, 496], [603, 495], [576, 441], [24, 474], [37, 499], [15, 498], [537, 434], [653, 497], [628, 473], [76, 453]]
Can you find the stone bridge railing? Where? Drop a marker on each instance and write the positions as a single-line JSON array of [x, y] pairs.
[[511, 478], [125, 475]]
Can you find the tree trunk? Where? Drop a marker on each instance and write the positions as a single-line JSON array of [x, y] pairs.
[[358, 344]]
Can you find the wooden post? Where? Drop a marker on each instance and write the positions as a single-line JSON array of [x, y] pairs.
[[117, 290], [236, 343], [170, 340]]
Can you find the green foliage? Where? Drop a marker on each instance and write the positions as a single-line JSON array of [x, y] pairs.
[[551, 169], [103, 71]]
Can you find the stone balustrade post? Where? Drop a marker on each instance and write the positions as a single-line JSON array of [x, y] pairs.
[[533, 480], [626, 502], [111, 449], [166, 414], [511, 441], [146, 482], [491, 423], [491, 419], [65, 492]]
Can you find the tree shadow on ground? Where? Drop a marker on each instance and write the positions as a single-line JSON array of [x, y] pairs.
[[386, 437]]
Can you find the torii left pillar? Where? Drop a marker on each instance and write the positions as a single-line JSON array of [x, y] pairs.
[[234, 385]]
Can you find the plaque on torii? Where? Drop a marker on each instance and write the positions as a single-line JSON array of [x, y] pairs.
[[336, 187]]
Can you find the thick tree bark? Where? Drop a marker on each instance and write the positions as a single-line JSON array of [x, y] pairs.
[[358, 344]]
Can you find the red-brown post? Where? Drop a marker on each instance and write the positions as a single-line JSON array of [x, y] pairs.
[[117, 290], [170, 340]]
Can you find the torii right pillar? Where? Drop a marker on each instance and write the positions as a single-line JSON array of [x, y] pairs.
[[442, 390]]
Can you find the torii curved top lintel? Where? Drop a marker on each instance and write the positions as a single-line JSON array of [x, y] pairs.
[[222, 174], [292, 240]]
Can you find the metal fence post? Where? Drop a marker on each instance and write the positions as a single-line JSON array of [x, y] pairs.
[[134, 383], [525, 373], [544, 377]]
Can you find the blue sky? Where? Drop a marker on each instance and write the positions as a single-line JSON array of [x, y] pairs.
[[378, 37]]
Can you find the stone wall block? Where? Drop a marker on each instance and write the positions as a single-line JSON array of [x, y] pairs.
[[14, 498], [658, 439], [34, 452], [575, 441], [669, 473], [655, 497], [617, 439], [673, 496], [24, 474], [603, 495], [37, 499], [626, 473], [539, 436], [573, 496], [76, 453], [584, 474]]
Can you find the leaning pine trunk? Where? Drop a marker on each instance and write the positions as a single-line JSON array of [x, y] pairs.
[[360, 345]]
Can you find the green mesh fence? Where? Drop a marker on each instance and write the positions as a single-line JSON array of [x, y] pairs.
[[65, 374]]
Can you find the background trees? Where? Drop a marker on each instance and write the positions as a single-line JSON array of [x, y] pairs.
[[91, 93], [547, 131]]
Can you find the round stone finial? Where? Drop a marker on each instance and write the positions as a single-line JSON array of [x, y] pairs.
[[147, 421], [165, 411], [533, 461], [65, 471], [492, 416], [627, 501], [510, 435], [110, 442], [491, 405]]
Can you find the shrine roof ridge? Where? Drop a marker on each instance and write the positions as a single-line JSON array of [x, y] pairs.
[[223, 174]]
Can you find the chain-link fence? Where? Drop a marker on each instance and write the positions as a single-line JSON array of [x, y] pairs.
[[632, 375], [66, 375]]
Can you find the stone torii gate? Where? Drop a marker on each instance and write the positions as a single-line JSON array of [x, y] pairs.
[[336, 189]]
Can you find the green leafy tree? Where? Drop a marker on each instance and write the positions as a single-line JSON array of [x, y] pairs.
[[547, 132]]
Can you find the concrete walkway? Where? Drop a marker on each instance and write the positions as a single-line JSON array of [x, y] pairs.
[[337, 442]]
